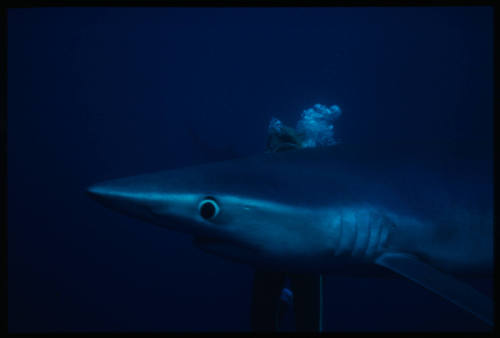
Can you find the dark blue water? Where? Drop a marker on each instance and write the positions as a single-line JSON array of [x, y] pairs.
[[101, 93]]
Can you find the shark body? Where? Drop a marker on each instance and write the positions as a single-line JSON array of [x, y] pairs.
[[422, 211]]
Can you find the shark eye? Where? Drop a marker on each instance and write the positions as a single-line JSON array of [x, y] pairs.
[[209, 208]]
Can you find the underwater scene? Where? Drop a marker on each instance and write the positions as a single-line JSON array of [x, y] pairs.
[[320, 169]]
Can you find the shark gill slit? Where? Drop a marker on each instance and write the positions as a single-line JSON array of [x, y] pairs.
[[374, 239], [354, 235], [366, 231], [340, 234], [362, 238]]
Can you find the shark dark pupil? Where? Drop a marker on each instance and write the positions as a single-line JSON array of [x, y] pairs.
[[208, 210]]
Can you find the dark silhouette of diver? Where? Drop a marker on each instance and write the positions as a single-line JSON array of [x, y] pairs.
[[270, 300]]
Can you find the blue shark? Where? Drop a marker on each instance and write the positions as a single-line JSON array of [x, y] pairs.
[[421, 210]]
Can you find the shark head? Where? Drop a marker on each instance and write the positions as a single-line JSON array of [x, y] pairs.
[[245, 209]]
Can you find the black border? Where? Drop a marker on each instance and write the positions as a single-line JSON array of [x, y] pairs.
[[212, 3], [3, 162], [246, 3]]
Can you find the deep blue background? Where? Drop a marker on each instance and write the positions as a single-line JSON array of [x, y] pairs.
[[100, 93]]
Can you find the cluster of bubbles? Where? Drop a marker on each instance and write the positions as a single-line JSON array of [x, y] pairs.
[[315, 125]]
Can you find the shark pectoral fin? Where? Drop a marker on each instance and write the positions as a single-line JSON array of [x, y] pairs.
[[441, 283]]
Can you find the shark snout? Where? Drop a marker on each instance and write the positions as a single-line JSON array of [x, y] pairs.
[[123, 198], [99, 192], [108, 195]]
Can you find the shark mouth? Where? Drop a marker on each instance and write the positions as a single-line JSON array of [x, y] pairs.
[[200, 241], [225, 248]]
